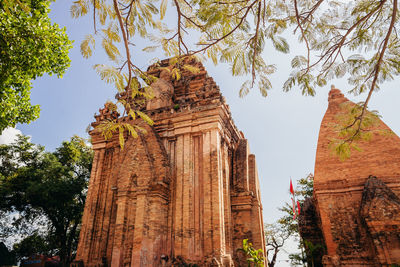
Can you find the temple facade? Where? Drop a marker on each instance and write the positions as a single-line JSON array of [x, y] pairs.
[[186, 192], [355, 211]]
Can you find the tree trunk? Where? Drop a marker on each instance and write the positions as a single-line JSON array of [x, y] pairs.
[[71, 237], [273, 261]]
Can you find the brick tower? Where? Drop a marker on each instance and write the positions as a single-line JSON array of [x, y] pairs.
[[185, 192], [355, 210]]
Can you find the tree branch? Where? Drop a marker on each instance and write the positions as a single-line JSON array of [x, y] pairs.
[[128, 56], [253, 68], [376, 74]]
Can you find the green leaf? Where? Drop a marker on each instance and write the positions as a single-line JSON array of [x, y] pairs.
[[150, 48], [191, 68], [131, 130], [280, 44], [112, 33], [79, 8], [111, 50], [245, 89], [121, 137], [108, 73], [30, 46], [298, 61], [163, 8], [86, 50], [132, 114], [176, 74], [144, 117]]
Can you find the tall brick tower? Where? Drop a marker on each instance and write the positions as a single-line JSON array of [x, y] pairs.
[[187, 191], [355, 210]]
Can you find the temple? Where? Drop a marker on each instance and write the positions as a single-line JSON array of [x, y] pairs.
[[355, 210], [186, 192]]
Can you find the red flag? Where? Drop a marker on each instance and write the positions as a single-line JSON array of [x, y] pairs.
[[291, 187], [298, 208]]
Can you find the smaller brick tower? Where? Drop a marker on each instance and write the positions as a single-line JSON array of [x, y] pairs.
[[185, 192], [355, 210]]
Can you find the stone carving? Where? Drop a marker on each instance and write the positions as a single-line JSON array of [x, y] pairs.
[[173, 196], [357, 213], [106, 113], [162, 90], [380, 212]]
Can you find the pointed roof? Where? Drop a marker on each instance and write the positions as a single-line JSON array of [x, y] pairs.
[[379, 157]]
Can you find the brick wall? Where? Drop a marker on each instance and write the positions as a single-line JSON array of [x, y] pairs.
[[172, 196], [351, 236]]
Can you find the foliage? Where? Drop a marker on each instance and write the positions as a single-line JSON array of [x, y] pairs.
[[311, 250], [356, 130], [5, 222], [357, 39], [6, 257], [304, 189], [354, 38], [254, 257], [308, 250], [30, 45], [275, 238], [308, 253], [298, 258], [32, 245], [46, 186], [118, 23]]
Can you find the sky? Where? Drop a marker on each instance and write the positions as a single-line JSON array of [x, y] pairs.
[[282, 128]]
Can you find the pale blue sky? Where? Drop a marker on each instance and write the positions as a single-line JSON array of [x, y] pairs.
[[282, 129]]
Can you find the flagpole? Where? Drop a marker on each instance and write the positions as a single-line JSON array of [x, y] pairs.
[[302, 247]]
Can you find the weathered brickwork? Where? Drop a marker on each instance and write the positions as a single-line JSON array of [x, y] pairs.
[[310, 230], [380, 212], [358, 213], [185, 192]]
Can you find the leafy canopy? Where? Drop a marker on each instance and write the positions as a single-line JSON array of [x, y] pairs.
[[31, 245], [118, 24], [46, 189], [30, 45], [6, 257], [353, 39]]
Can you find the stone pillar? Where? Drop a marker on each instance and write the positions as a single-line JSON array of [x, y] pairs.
[[246, 203], [241, 167], [118, 242], [88, 221], [257, 226]]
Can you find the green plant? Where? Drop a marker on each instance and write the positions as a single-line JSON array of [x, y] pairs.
[[30, 46], [47, 190], [311, 250], [255, 257]]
